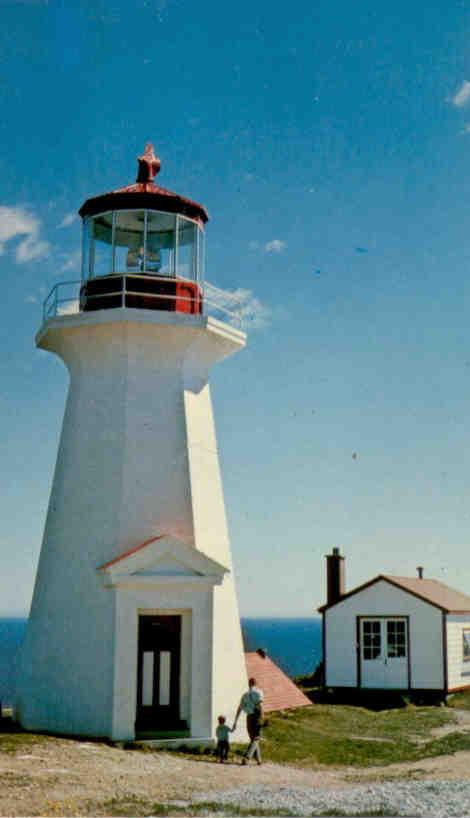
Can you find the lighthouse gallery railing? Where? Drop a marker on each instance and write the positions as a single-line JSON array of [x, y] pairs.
[[67, 298]]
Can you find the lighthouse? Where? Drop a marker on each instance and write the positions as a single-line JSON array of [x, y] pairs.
[[134, 628]]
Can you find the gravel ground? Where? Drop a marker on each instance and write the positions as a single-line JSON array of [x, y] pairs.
[[436, 799], [63, 777]]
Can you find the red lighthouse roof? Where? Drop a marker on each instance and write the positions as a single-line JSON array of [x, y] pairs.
[[145, 194]]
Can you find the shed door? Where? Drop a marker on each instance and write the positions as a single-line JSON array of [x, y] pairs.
[[384, 653]]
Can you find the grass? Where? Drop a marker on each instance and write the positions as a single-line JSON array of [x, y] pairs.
[[144, 808], [379, 813], [140, 807], [20, 742], [460, 700], [324, 734], [334, 735], [354, 736], [346, 735]]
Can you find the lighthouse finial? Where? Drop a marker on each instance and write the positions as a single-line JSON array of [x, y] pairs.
[[149, 164]]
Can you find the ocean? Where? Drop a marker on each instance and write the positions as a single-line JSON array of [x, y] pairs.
[[294, 644]]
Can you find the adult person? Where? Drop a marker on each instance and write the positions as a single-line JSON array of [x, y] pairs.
[[251, 703]]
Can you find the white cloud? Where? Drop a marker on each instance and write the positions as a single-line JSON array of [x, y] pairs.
[[16, 221], [275, 246], [251, 311], [68, 219], [462, 96], [31, 299], [72, 261], [254, 313], [31, 248]]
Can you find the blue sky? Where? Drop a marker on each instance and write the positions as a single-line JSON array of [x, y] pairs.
[[330, 144]]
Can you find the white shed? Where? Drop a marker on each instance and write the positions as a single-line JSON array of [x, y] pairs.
[[395, 633]]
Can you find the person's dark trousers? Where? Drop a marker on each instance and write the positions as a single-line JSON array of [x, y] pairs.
[[222, 750], [253, 726]]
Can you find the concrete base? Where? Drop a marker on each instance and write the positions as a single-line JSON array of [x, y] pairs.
[[173, 743]]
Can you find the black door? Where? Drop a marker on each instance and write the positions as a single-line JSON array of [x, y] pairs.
[[158, 673]]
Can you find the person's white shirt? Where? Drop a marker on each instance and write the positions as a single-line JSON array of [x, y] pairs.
[[251, 700]]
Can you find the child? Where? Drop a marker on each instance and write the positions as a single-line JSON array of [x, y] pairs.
[[222, 732]]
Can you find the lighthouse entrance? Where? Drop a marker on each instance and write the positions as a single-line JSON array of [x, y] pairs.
[[158, 673]]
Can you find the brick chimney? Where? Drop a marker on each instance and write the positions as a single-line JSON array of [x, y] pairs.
[[335, 587]]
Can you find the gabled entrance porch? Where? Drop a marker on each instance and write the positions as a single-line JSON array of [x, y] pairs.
[[163, 661]]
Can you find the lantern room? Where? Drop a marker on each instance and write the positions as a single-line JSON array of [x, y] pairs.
[[143, 247]]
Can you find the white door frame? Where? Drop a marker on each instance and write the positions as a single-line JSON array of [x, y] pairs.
[[387, 665]]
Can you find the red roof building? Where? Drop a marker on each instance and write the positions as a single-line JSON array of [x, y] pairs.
[[280, 692]]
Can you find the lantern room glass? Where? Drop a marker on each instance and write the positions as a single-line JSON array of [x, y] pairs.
[[160, 247], [142, 242], [100, 245], [128, 241], [187, 249]]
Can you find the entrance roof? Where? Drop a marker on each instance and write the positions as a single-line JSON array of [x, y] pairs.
[[162, 559]]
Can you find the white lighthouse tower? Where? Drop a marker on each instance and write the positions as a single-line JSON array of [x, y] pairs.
[[134, 627]]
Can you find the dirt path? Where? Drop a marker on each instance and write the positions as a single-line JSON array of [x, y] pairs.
[[61, 777], [66, 777]]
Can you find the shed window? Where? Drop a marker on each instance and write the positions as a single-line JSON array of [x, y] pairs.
[[396, 638], [371, 643], [466, 645]]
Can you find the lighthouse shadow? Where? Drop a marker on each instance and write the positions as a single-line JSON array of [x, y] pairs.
[[13, 738], [8, 725]]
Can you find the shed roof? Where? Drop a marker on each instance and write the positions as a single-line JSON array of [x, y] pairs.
[[430, 590]]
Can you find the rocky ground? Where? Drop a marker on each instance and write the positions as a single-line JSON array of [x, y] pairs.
[[430, 798], [68, 777]]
